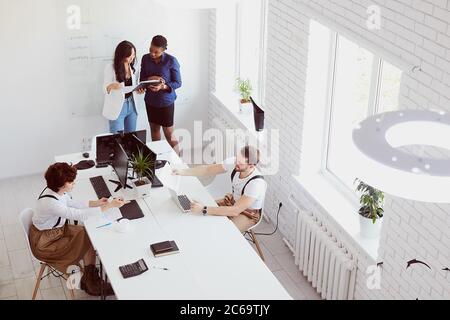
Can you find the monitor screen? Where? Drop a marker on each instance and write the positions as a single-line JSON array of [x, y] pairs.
[[120, 164], [105, 145]]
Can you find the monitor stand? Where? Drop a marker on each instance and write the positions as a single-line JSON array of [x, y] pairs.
[[156, 183], [119, 185]]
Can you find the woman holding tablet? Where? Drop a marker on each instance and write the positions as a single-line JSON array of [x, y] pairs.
[[160, 98], [119, 78]]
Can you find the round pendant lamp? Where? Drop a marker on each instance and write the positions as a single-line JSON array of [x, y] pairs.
[[382, 164]]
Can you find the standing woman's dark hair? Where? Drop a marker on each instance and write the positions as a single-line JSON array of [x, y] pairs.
[[123, 51]]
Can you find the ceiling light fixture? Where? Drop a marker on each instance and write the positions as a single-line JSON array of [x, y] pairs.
[[381, 164]]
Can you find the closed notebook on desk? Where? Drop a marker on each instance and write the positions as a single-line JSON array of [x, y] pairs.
[[164, 248], [131, 211]]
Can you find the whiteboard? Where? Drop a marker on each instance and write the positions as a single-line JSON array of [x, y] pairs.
[[89, 44]]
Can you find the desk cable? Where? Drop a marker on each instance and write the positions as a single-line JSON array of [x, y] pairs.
[[276, 226]]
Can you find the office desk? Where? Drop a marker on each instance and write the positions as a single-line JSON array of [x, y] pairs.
[[215, 260]]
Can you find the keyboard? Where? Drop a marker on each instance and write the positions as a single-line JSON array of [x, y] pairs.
[[131, 211], [100, 187], [184, 202]]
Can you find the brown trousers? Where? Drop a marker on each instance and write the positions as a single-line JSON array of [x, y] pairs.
[[246, 219]]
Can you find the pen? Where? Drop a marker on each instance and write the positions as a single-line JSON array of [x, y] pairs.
[[160, 268], [104, 225]]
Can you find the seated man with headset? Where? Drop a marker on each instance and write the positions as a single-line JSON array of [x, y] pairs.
[[244, 205]]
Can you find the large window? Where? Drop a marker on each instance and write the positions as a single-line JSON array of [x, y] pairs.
[[240, 45], [361, 84]]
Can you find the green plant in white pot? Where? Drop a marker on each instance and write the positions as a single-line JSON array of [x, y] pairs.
[[371, 211], [142, 166], [244, 88]]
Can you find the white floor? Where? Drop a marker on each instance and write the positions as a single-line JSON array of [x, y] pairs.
[[18, 269]]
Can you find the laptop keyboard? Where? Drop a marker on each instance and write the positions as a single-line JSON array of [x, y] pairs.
[[184, 202]]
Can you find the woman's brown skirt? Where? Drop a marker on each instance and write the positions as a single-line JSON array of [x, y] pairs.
[[60, 247]]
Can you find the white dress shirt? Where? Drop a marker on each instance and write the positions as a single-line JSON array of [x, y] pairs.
[[49, 210]]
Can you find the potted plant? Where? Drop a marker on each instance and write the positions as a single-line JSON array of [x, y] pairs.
[[142, 167], [371, 211], [244, 88]]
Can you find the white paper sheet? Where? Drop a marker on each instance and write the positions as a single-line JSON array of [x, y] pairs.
[[112, 214]]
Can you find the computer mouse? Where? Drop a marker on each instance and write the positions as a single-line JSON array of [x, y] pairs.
[[86, 154], [160, 164], [85, 164]]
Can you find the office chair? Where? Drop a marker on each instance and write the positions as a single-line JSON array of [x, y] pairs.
[[253, 238], [253, 234], [25, 217]]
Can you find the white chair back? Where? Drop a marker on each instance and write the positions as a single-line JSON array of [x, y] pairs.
[[26, 219], [259, 221]]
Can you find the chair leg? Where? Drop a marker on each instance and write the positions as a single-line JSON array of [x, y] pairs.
[[38, 280], [256, 242], [71, 291]]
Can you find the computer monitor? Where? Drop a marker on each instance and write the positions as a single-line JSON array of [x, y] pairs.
[[120, 165], [147, 152], [105, 145], [131, 141]]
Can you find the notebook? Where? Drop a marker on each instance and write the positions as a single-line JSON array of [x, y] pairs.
[[164, 248]]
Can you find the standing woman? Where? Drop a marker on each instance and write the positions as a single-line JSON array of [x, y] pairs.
[[119, 107], [160, 99]]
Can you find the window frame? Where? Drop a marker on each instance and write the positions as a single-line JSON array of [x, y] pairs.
[[260, 94], [372, 109]]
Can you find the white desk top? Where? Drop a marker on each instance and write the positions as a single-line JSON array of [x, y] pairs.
[[215, 260]]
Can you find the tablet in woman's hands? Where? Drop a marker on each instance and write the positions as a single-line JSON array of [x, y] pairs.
[[147, 83]]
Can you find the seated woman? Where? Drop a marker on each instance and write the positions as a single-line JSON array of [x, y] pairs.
[[59, 244]]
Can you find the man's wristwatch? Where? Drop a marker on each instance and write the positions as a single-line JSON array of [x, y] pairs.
[[205, 210]]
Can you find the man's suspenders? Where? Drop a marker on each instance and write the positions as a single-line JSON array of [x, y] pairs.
[[233, 174]]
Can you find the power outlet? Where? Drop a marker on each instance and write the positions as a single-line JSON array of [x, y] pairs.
[[89, 144], [86, 144]]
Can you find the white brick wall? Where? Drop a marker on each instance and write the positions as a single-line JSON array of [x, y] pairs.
[[416, 31]]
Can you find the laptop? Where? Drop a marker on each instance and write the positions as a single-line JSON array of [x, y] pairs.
[[182, 201]]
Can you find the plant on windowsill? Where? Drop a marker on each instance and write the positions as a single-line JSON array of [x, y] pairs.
[[142, 167], [372, 201], [244, 88]]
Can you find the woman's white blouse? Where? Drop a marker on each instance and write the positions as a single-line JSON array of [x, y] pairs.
[[113, 102], [48, 210]]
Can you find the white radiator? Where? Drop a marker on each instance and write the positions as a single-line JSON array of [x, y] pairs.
[[324, 261]]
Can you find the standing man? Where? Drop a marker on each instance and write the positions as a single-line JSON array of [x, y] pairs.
[[160, 99]]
